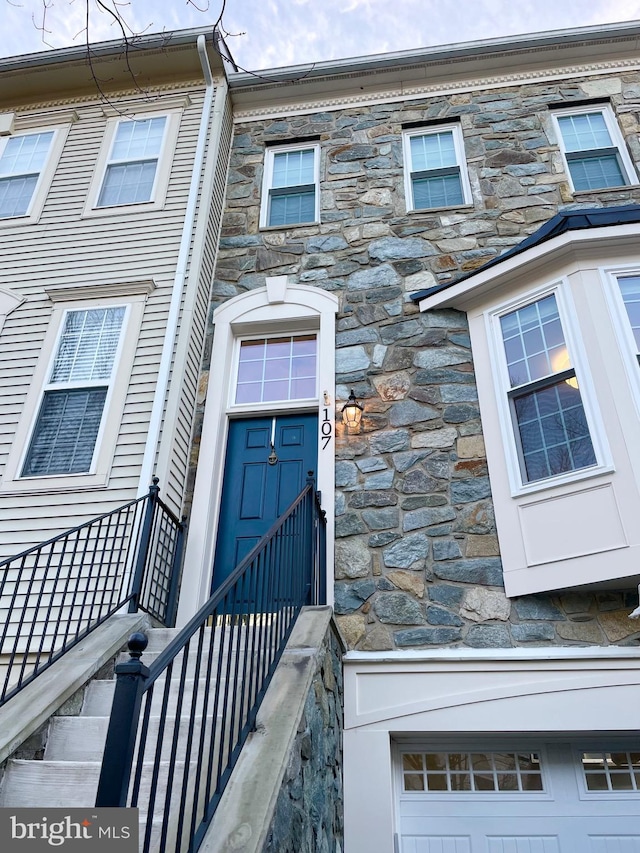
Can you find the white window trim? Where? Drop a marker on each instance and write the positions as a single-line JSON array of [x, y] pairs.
[[566, 310], [163, 170], [622, 326], [461, 161], [617, 141], [107, 436], [45, 178], [267, 178]]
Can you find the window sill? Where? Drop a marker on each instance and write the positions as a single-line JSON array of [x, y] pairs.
[[560, 480], [59, 483], [451, 209], [293, 225], [585, 194], [123, 209]]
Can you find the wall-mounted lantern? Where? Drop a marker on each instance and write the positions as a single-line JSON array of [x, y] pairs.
[[352, 412]]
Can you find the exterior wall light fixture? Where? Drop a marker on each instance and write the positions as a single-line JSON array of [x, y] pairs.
[[352, 412]]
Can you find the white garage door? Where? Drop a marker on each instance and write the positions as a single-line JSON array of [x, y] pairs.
[[543, 798]]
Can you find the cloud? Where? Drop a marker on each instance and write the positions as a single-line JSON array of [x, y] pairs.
[[292, 32]]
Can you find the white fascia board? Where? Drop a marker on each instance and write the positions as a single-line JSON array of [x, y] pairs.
[[461, 294], [575, 653]]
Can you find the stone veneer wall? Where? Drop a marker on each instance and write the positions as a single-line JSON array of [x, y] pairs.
[[309, 811], [417, 559]]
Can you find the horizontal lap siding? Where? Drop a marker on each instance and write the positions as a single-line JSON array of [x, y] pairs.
[[65, 248], [179, 462]]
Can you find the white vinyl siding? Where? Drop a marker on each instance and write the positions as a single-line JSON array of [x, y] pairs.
[[593, 148], [67, 247], [435, 169], [290, 193], [68, 422], [178, 452], [22, 159]]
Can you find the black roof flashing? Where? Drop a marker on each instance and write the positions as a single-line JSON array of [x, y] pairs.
[[571, 220]]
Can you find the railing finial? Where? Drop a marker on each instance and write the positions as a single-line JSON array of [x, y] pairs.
[[137, 643]]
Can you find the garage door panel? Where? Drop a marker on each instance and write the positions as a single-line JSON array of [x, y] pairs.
[[556, 799], [523, 844], [614, 844], [436, 844]]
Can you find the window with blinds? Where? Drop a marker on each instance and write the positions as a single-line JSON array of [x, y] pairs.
[[73, 402], [435, 168], [133, 163], [593, 149], [291, 186], [22, 159]]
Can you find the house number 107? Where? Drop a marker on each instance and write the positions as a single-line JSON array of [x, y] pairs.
[[326, 429]]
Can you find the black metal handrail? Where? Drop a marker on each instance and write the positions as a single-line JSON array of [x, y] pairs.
[[177, 728], [54, 594]]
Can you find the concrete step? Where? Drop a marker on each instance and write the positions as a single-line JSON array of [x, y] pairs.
[[83, 738]]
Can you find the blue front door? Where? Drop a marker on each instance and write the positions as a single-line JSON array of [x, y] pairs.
[[261, 481]]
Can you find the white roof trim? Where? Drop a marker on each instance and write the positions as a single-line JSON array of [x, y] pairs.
[[458, 295]]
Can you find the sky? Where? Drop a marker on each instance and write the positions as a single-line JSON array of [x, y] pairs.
[[274, 33]]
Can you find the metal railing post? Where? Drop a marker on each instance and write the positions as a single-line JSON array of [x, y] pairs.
[[123, 726], [145, 541]]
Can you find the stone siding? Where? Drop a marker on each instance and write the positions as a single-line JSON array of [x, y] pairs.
[[309, 811], [417, 557]]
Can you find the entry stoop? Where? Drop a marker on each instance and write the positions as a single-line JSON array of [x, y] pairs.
[[67, 776]]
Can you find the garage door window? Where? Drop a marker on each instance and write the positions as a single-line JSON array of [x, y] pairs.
[[611, 771], [471, 772]]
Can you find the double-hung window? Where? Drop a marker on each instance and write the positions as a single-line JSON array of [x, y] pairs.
[[132, 165], [550, 425], [290, 193], [23, 158], [593, 149], [435, 173], [71, 411]]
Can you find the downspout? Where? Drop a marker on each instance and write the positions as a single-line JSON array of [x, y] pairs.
[[164, 370]]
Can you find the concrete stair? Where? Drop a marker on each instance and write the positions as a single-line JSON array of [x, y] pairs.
[[69, 771]]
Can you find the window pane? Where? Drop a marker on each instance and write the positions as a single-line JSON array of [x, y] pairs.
[[128, 184], [88, 345], [293, 168], [611, 771], [65, 432], [432, 151], [534, 342], [477, 772], [282, 368], [16, 195], [630, 290], [554, 435], [592, 173], [138, 140], [584, 132], [438, 191], [292, 209], [25, 154]]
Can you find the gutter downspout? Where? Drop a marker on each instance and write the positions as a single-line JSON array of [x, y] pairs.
[[164, 370]]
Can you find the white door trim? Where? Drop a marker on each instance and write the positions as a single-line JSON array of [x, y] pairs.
[[277, 307]]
